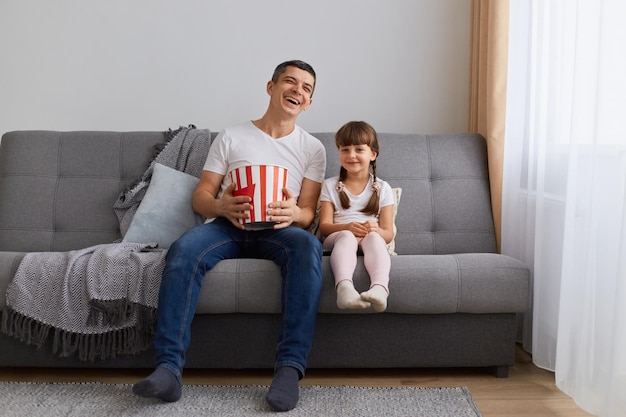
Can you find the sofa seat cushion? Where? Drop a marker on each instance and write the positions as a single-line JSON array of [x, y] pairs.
[[419, 284]]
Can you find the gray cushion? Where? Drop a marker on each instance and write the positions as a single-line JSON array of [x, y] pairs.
[[165, 212]]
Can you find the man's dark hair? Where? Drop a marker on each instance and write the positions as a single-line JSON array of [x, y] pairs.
[[294, 63]]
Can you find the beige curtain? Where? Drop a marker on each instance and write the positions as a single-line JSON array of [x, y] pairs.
[[487, 107]]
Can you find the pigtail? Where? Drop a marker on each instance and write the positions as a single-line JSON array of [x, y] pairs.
[[341, 189], [372, 205]]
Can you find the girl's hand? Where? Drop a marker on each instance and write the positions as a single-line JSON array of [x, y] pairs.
[[358, 229], [371, 226]]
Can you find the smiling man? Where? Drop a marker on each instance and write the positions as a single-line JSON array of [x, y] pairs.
[[274, 139]]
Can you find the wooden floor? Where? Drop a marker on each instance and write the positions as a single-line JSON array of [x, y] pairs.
[[528, 391]]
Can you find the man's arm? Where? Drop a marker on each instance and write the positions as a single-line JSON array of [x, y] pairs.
[[206, 203], [299, 214]]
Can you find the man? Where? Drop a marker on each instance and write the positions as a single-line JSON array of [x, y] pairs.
[[274, 139]]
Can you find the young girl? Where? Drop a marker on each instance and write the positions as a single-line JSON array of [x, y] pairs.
[[357, 211]]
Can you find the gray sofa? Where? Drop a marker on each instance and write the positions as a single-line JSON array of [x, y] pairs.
[[453, 300]]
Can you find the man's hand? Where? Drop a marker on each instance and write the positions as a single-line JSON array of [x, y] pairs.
[[284, 212], [235, 207]]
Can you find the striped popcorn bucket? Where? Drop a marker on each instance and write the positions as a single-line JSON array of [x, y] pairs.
[[264, 184]]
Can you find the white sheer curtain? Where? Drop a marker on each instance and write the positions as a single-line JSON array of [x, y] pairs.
[[564, 190]]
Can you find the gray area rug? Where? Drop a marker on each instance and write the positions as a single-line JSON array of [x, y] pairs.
[[99, 400]]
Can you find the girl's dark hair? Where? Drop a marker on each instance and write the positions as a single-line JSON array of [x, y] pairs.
[[359, 133]]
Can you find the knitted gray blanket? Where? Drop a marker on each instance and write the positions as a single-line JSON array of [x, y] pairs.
[[99, 301]]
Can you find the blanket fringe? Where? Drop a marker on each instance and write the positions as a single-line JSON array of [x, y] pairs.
[[24, 328], [87, 347]]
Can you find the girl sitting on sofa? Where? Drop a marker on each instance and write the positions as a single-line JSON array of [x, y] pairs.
[[357, 212]]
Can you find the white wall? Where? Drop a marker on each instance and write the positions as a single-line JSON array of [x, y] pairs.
[[402, 65]]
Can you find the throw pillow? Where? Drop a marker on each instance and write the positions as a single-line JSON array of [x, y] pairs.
[[391, 246], [165, 211]]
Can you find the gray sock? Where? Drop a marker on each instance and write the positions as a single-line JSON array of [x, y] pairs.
[[162, 384], [284, 391]]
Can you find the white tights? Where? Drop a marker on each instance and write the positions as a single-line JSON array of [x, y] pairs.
[[343, 259]]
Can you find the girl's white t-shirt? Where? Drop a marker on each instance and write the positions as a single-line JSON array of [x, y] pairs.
[[357, 202]]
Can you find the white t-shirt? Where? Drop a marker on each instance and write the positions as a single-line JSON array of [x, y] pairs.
[[357, 202], [301, 153]]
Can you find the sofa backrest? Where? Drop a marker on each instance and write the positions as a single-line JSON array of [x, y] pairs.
[[446, 202], [57, 189]]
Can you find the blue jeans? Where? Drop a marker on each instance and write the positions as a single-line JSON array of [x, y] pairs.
[[296, 251]]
